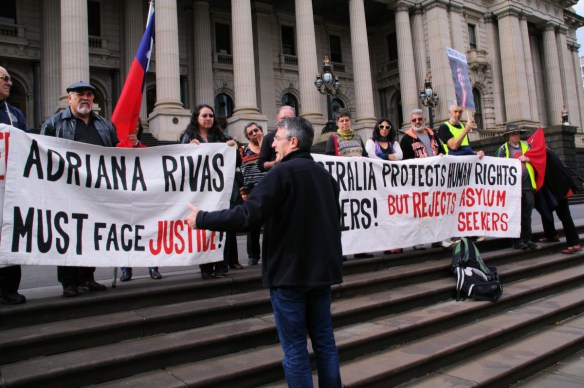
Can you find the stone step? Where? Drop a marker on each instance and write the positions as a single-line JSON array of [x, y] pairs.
[[59, 336], [241, 369], [513, 361], [165, 351]]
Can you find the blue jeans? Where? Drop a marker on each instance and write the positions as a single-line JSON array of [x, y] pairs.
[[298, 313]]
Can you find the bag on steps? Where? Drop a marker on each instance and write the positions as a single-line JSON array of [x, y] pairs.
[[474, 279]]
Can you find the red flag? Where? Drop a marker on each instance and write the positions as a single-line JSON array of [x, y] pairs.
[[127, 110], [537, 156]]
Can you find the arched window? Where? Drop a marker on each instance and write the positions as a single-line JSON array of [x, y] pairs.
[[478, 116], [223, 105], [337, 104], [290, 99]]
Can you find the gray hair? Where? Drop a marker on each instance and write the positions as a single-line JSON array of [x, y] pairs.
[[286, 108], [249, 125], [299, 128], [417, 111]]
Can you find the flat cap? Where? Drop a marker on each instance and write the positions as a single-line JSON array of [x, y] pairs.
[[81, 85]]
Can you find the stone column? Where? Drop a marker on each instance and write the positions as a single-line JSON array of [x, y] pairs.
[[513, 67], [539, 79], [74, 45], [569, 80], [365, 117], [264, 57], [203, 54], [532, 94], [494, 60], [169, 119], [134, 26], [51, 88], [579, 114], [438, 28], [407, 68], [456, 25], [553, 79], [419, 44], [307, 61]]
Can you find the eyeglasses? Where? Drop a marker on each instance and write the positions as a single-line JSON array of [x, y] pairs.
[[417, 120], [5, 78], [388, 127], [278, 138], [205, 115], [253, 131]]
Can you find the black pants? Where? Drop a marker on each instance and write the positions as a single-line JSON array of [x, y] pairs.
[[563, 212], [527, 202], [253, 243], [10, 278], [74, 276]]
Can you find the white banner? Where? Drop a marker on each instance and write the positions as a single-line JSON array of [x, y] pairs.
[[70, 203], [387, 205]]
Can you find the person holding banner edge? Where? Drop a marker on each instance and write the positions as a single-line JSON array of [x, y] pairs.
[[79, 123], [10, 275], [298, 203]]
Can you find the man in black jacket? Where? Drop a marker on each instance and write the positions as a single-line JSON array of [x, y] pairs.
[[302, 256], [10, 115]]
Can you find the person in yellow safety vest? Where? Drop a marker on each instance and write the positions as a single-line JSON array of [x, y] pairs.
[[516, 148], [454, 134]]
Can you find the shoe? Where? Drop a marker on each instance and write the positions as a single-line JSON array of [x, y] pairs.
[[12, 297], [479, 238], [419, 247], [345, 258], [387, 252], [253, 261], [70, 291], [530, 245], [206, 275], [519, 245], [574, 249], [92, 285], [219, 274], [549, 240], [126, 275], [437, 244], [363, 256], [154, 274], [236, 266], [398, 250]]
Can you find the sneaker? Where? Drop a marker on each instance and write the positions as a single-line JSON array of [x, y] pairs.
[[12, 297], [419, 247], [519, 245], [446, 243], [570, 250], [126, 275], [154, 274], [530, 245]]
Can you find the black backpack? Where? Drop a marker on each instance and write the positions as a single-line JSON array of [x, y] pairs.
[[474, 279]]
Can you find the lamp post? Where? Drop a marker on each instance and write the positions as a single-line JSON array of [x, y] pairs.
[[429, 98], [327, 83]]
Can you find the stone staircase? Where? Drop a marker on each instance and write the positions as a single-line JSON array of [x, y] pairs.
[[396, 323]]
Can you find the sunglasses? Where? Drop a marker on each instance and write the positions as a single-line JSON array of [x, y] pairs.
[[253, 131], [417, 120], [388, 127], [5, 78], [205, 115]]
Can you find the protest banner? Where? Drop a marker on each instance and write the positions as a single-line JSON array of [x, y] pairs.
[[70, 203], [387, 205]]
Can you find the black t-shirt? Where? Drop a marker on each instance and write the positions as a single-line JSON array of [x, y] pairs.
[[86, 133]]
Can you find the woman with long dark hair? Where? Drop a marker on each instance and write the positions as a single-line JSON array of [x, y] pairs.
[[203, 128], [383, 143]]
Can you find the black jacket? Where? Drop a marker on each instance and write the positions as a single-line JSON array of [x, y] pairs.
[[64, 125], [299, 202]]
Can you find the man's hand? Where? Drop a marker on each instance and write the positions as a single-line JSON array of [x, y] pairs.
[[133, 138], [192, 218], [480, 154]]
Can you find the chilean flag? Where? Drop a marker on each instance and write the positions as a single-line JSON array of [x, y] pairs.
[[127, 110], [537, 156]]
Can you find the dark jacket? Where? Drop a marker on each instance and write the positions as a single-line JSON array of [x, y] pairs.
[[299, 202], [18, 119], [64, 125], [267, 153]]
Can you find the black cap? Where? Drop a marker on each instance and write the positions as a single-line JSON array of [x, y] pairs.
[[512, 128], [80, 86]]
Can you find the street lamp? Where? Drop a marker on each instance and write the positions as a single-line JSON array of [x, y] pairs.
[[429, 98], [328, 83]]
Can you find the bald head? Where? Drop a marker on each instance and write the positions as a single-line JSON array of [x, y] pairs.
[[5, 83]]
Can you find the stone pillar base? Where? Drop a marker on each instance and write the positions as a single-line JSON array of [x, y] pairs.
[[168, 124], [364, 127]]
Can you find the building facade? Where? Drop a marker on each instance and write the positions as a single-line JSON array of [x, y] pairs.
[[248, 57]]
